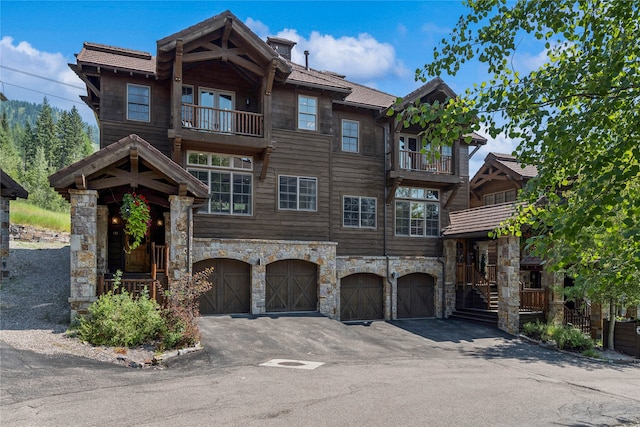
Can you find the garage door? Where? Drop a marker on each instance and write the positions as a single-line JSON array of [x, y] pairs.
[[361, 297], [292, 285], [415, 296], [231, 292]]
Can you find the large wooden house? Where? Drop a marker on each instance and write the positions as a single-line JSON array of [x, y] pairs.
[[293, 183]]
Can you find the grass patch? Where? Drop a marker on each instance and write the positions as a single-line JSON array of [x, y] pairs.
[[24, 213]]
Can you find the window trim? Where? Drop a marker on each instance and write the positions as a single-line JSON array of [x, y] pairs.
[[425, 203], [315, 114], [357, 150], [148, 120], [504, 193], [297, 209], [232, 171], [360, 226]]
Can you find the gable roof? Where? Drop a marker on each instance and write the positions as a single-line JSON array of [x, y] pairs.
[[117, 58], [11, 189], [96, 170], [502, 166], [478, 222]]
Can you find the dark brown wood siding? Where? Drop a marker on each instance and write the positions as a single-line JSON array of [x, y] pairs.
[[297, 154]]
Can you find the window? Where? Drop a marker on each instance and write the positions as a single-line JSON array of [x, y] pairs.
[[216, 110], [350, 136], [138, 102], [359, 212], [307, 112], [230, 189], [500, 197], [187, 106], [417, 212], [297, 193]]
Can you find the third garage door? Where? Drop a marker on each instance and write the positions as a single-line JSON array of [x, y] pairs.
[[231, 280], [415, 296], [361, 297], [292, 285]]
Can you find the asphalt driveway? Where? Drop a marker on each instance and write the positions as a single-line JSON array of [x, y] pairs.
[[310, 370]]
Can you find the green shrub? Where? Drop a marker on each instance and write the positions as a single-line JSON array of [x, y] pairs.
[[535, 330], [568, 338], [119, 319]]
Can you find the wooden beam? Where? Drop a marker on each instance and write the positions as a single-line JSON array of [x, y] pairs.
[[176, 154], [271, 73], [228, 23], [81, 182], [266, 155], [182, 189], [133, 158], [176, 89], [452, 196], [392, 192], [122, 178]]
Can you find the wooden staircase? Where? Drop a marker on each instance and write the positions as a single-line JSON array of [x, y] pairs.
[[476, 315]]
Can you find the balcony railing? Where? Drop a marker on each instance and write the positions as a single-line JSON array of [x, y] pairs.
[[215, 120], [417, 161]]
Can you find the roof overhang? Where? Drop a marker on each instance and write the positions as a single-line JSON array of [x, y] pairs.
[[10, 189]]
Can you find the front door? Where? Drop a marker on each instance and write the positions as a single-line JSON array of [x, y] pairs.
[[137, 260], [217, 116]]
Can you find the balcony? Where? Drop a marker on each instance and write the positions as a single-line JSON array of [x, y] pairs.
[[420, 162], [214, 120]]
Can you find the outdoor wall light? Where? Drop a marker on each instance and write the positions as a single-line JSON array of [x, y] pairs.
[[115, 220], [159, 222]]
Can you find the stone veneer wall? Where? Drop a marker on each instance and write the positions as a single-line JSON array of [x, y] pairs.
[[386, 267], [4, 238], [180, 232], [259, 253], [509, 284], [554, 283], [83, 250], [450, 275]]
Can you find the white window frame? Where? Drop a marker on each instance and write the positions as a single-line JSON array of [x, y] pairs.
[[298, 180], [357, 137], [307, 114], [235, 167], [360, 212], [420, 200], [130, 103], [188, 118]]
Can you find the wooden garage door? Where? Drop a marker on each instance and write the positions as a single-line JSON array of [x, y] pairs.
[[361, 297], [292, 285], [415, 296], [231, 292]]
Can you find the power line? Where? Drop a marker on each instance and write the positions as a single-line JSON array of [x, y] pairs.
[[40, 77], [44, 93]]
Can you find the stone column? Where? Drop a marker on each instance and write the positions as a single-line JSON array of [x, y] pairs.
[[553, 283], [83, 250], [102, 231], [259, 287], [450, 278], [181, 233], [327, 288], [4, 238], [509, 284]]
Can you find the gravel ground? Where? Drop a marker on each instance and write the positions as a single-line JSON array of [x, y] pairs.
[[34, 308]]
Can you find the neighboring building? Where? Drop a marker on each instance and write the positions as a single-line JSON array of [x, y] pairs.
[[9, 190], [307, 195]]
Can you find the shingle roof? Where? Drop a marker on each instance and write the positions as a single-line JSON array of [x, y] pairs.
[[11, 189], [118, 58], [477, 222], [510, 162]]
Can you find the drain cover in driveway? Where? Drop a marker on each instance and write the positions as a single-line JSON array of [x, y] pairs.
[[293, 364]]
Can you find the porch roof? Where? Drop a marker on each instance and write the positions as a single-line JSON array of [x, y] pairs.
[[11, 189], [478, 222], [100, 171]]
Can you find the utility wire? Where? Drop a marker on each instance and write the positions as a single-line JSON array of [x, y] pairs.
[[40, 77], [44, 93]]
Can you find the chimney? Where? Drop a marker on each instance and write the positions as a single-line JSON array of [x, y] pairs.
[[282, 46], [306, 59]]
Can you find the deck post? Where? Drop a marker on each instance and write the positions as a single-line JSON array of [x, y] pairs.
[[181, 237]]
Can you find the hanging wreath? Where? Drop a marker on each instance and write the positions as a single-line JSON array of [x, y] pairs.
[[135, 213]]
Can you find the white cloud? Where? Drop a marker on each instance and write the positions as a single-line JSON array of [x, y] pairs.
[[500, 144], [435, 29], [23, 85], [258, 27]]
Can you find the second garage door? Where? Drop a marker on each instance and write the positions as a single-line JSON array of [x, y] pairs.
[[361, 297], [415, 296], [292, 285]]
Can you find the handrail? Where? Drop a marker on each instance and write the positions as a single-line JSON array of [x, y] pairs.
[[218, 120], [578, 320], [418, 161], [533, 299], [133, 286]]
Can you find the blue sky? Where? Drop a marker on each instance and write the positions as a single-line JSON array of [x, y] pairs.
[[377, 43]]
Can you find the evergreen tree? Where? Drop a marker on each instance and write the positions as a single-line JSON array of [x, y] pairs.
[[45, 132]]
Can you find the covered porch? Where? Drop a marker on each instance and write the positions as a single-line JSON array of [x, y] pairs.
[[100, 245]]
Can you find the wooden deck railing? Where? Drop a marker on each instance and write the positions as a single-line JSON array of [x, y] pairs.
[[417, 161], [159, 259], [579, 320], [222, 121], [533, 299], [134, 287]]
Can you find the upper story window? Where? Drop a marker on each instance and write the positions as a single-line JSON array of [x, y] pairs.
[[350, 136], [414, 157], [417, 212], [230, 181], [307, 112], [500, 197], [187, 106], [138, 102], [297, 193], [215, 110], [359, 212]]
